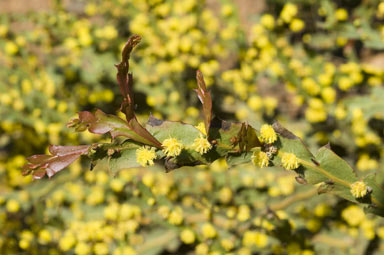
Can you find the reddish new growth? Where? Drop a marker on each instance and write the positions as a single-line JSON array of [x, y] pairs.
[[62, 156]]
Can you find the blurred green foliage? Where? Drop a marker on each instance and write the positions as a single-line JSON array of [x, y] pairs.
[[316, 66]]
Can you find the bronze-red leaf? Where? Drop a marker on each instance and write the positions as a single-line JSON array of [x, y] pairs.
[[206, 100], [62, 156]]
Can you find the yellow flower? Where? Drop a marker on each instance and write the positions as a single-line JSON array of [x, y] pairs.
[[145, 156], [225, 195], [149, 179], [366, 163], [251, 238], [44, 236], [380, 10], [13, 206], [345, 83], [176, 216], [202, 249], [267, 134], [172, 147], [268, 21], [187, 236], [380, 232], [117, 185], [359, 189], [260, 159], [244, 213], [24, 244], [67, 241], [341, 14], [209, 230], [289, 161], [11, 48], [201, 145], [101, 249], [353, 215], [82, 248], [255, 103], [297, 25], [288, 12], [329, 95], [316, 111], [201, 128], [227, 244]]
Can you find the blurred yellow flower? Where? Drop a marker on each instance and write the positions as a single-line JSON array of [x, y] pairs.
[[82, 248], [225, 195], [353, 215], [268, 21], [260, 159], [176, 216], [289, 11], [297, 25], [341, 14], [256, 238], [187, 236], [11, 48], [208, 231], [12, 206]]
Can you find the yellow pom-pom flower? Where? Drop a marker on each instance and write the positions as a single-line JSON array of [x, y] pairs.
[[172, 147], [201, 145], [268, 21], [260, 159], [353, 215], [256, 238], [13, 206], [176, 216], [267, 134], [289, 161], [297, 25], [359, 189], [289, 11], [145, 156], [187, 236], [341, 14], [209, 231]]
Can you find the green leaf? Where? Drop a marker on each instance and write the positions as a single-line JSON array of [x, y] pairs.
[[377, 194], [184, 133], [326, 168], [225, 134], [234, 159], [123, 157], [162, 130], [338, 171]]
